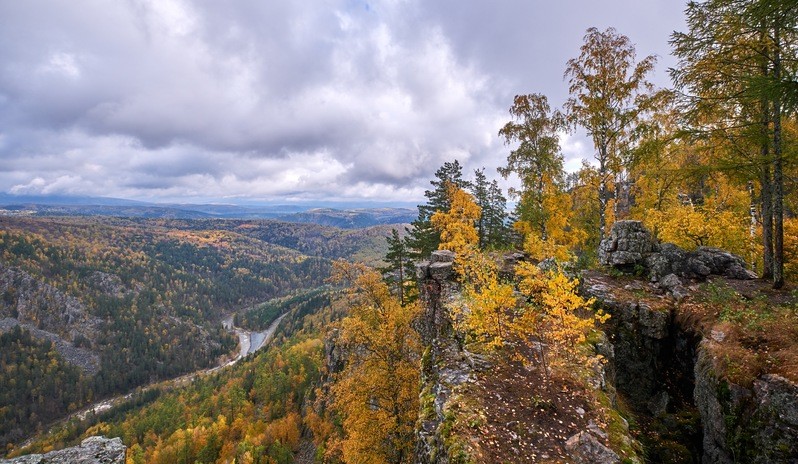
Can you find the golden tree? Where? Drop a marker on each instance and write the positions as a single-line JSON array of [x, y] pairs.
[[557, 317], [377, 391], [456, 225]]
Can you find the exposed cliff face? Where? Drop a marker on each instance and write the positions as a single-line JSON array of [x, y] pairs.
[[757, 424], [32, 301], [49, 314], [445, 368], [92, 450], [653, 364], [666, 367]]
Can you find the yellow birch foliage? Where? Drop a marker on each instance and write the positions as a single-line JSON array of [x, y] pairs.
[[557, 237], [376, 393], [489, 301], [456, 225], [557, 316], [721, 221], [791, 248]]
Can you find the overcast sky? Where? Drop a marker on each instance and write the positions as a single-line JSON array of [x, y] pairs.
[[173, 100]]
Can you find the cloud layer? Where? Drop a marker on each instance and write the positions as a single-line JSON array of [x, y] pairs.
[[314, 100]]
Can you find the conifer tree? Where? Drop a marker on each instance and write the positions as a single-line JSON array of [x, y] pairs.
[[491, 226], [399, 270], [423, 238], [735, 68]]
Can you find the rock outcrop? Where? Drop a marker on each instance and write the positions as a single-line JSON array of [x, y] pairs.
[[92, 450], [49, 313], [86, 360], [445, 366], [585, 448], [631, 248], [668, 370], [757, 424]]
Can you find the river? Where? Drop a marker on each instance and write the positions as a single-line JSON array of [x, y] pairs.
[[248, 342]]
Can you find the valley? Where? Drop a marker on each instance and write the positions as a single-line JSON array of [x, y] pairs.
[[121, 304]]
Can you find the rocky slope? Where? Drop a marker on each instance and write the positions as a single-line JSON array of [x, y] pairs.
[[491, 408], [92, 450]]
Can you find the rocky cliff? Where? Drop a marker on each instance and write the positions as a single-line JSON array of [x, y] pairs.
[[50, 314], [92, 450], [677, 355], [483, 406]]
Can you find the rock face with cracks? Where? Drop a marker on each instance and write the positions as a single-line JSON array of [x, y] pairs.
[[92, 450], [630, 247], [757, 424]]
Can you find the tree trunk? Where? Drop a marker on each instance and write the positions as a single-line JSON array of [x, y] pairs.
[[766, 196], [778, 177], [602, 193]]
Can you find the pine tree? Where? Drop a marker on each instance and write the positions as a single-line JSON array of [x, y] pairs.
[[399, 271], [480, 189], [499, 233], [492, 225]]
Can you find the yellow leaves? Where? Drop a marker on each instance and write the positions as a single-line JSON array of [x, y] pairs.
[[791, 247], [556, 316], [720, 221], [456, 225], [376, 393], [489, 304]]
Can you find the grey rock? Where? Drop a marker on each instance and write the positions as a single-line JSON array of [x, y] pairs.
[[84, 359], [442, 256], [653, 322], [630, 246], [658, 405], [628, 243], [779, 395], [92, 450], [585, 448], [670, 281], [441, 271], [766, 416]]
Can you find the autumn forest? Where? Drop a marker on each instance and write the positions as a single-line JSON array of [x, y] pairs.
[[93, 308]]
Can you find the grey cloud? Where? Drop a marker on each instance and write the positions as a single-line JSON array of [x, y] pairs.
[[150, 98]]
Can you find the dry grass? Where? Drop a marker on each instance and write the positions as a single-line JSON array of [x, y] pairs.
[[753, 328]]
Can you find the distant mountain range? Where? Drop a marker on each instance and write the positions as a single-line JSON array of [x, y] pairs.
[[61, 205]]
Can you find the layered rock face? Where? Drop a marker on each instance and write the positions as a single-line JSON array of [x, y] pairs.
[[445, 365], [93, 450], [755, 425], [630, 246]]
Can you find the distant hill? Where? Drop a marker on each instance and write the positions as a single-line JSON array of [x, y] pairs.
[[353, 218], [61, 205]]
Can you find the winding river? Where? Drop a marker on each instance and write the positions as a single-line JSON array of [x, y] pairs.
[[248, 342]]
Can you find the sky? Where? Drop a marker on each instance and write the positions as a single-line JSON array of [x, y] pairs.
[[266, 100]]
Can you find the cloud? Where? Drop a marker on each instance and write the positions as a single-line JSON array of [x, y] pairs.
[[318, 99]]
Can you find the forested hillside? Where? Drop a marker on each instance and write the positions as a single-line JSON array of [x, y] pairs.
[[134, 301], [255, 412]]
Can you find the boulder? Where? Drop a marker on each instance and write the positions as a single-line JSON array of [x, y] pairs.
[[630, 246], [585, 448], [93, 450], [627, 245]]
